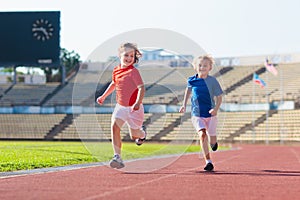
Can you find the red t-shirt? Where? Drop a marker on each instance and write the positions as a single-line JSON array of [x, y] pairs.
[[126, 81]]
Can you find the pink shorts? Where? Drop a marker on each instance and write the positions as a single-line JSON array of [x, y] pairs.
[[209, 123], [133, 118]]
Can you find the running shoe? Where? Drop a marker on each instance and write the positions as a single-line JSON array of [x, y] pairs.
[[140, 141], [214, 147], [209, 167], [116, 162]]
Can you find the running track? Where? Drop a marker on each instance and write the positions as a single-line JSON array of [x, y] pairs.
[[249, 172]]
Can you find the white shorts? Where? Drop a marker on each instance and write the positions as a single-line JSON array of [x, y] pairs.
[[133, 118], [209, 123]]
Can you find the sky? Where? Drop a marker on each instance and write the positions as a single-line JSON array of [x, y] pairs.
[[221, 27]]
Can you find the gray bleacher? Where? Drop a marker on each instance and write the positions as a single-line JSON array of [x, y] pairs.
[[163, 84], [80, 88], [26, 94]]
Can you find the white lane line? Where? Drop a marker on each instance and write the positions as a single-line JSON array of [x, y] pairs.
[[4, 175], [295, 153], [76, 166]]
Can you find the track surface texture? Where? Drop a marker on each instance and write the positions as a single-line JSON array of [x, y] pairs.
[[248, 172]]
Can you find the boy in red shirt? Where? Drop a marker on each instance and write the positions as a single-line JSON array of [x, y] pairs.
[[130, 90]]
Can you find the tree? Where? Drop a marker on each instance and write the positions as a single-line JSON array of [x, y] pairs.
[[48, 73], [71, 61]]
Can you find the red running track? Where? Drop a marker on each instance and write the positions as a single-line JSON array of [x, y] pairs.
[[250, 172]]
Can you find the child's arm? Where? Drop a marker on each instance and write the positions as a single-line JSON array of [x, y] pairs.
[[107, 92], [187, 94], [140, 97], [214, 111]]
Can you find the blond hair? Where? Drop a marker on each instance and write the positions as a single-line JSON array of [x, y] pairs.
[[133, 46], [203, 57]]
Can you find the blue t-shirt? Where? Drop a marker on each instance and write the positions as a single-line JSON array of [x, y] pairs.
[[203, 93]]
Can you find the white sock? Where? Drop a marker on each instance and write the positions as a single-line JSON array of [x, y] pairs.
[[208, 161], [144, 134]]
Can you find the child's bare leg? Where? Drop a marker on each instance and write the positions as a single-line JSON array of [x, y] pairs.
[[204, 144], [213, 143], [116, 135], [136, 133], [213, 140]]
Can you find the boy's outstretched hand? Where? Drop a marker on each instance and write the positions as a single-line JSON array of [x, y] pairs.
[[182, 109], [213, 112]]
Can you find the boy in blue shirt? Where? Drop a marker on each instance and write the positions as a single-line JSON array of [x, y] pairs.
[[206, 100]]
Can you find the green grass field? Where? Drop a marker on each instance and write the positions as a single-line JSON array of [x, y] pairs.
[[23, 155]]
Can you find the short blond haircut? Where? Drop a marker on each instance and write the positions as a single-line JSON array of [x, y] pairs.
[[203, 57]]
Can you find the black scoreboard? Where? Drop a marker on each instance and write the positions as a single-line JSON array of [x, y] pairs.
[[30, 38]]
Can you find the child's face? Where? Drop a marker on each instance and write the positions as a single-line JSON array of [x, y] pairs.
[[127, 57], [203, 67]]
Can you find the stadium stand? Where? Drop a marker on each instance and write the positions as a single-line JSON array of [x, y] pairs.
[[87, 127], [281, 126], [164, 85], [80, 88], [4, 88], [228, 123], [91, 127], [234, 79], [24, 94], [161, 124], [28, 126], [283, 86]]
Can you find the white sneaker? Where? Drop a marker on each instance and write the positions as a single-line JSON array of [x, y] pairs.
[[140, 141], [116, 162]]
